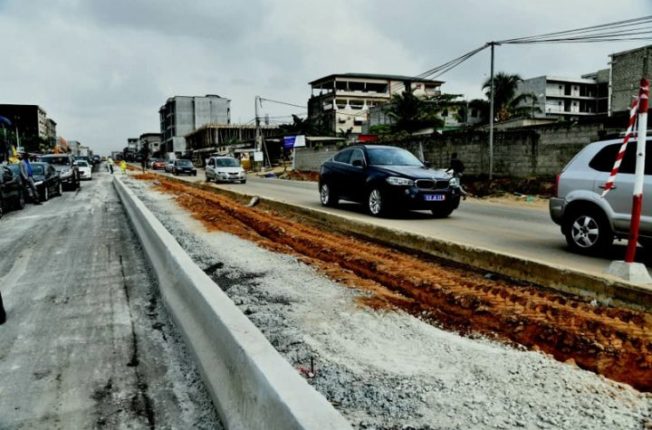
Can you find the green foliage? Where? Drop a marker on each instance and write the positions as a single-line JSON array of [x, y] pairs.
[[380, 129], [506, 103], [308, 127]]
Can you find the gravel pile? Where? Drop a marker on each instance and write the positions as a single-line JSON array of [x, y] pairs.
[[389, 370]]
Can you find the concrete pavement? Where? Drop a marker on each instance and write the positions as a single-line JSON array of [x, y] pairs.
[[87, 342]]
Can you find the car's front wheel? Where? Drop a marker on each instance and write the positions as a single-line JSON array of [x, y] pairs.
[[587, 231], [46, 193], [60, 189], [326, 195], [376, 203], [20, 201]]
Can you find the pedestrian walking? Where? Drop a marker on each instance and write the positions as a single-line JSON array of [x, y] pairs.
[[26, 175], [123, 167], [109, 165], [457, 167]]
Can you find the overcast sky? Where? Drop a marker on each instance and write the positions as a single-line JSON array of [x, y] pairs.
[[102, 68]]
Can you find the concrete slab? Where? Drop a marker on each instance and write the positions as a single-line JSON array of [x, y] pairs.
[[636, 273]]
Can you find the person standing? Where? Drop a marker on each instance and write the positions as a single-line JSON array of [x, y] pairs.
[[26, 175], [109, 165], [123, 167]]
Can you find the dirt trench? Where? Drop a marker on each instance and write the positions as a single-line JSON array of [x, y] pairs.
[[612, 341]]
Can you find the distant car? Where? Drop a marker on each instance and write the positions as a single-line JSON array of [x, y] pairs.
[[589, 221], [65, 165], [225, 169], [12, 191], [184, 167], [47, 180], [158, 164], [96, 159], [169, 166], [85, 169], [387, 179]]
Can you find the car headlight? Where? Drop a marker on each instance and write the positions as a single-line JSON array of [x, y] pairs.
[[66, 172], [37, 183], [454, 182], [396, 180]]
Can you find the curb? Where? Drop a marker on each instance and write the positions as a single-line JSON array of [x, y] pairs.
[[605, 290], [251, 385]]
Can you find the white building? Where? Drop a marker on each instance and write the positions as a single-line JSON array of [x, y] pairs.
[[557, 97], [342, 101]]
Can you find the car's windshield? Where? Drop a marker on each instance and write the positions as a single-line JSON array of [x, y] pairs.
[[14, 168], [227, 162], [392, 157], [184, 163], [81, 163], [37, 169], [56, 160]]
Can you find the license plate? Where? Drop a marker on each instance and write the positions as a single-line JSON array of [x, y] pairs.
[[434, 197]]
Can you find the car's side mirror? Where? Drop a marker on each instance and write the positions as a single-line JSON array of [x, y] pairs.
[[428, 164], [357, 163]]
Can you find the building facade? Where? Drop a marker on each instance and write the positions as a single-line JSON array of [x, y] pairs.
[[341, 102], [152, 140], [627, 68], [565, 98], [29, 126], [223, 139], [51, 132], [181, 115]]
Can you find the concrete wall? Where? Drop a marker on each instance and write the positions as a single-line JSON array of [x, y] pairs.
[[626, 72], [540, 151], [252, 386]]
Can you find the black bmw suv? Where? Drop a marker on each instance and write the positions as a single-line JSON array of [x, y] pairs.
[[386, 179]]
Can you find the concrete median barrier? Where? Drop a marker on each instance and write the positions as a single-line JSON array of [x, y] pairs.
[[252, 386]]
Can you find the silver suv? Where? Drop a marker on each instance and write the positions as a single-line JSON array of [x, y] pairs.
[[590, 222]]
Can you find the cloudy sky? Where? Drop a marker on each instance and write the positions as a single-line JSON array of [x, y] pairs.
[[102, 68]]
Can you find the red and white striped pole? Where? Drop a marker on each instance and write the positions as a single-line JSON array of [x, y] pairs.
[[609, 185], [641, 139]]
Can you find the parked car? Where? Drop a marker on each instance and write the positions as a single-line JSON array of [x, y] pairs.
[[588, 221], [225, 169], [47, 180], [85, 169], [96, 160], [169, 166], [158, 164], [185, 167], [386, 179], [64, 164], [12, 191]]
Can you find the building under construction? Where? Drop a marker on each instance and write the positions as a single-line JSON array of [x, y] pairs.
[[227, 139]]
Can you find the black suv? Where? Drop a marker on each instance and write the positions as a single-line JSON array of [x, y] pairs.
[[65, 165], [387, 178], [12, 192]]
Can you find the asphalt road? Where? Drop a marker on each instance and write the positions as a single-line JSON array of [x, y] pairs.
[[508, 228], [87, 342]]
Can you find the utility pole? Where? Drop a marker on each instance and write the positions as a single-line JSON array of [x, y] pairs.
[[258, 133], [491, 114]]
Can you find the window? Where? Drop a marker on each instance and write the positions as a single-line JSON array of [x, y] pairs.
[[341, 103], [357, 155], [344, 156], [604, 160]]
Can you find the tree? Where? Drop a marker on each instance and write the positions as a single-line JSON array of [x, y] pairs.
[[308, 127], [506, 103], [411, 113]]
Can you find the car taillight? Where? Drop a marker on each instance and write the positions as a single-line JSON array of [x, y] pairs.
[[555, 191]]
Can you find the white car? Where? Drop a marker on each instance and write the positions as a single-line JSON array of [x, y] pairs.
[[225, 169], [85, 169]]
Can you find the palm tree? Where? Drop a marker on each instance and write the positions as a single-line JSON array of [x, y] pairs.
[[506, 103], [411, 113]]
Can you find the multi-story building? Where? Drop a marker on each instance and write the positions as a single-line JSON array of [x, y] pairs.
[[568, 98], [51, 132], [627, 68], [29, 125], [341, 101], [181, 115], [152, 140]]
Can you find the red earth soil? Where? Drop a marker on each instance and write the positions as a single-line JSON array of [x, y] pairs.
[[612, 341]]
